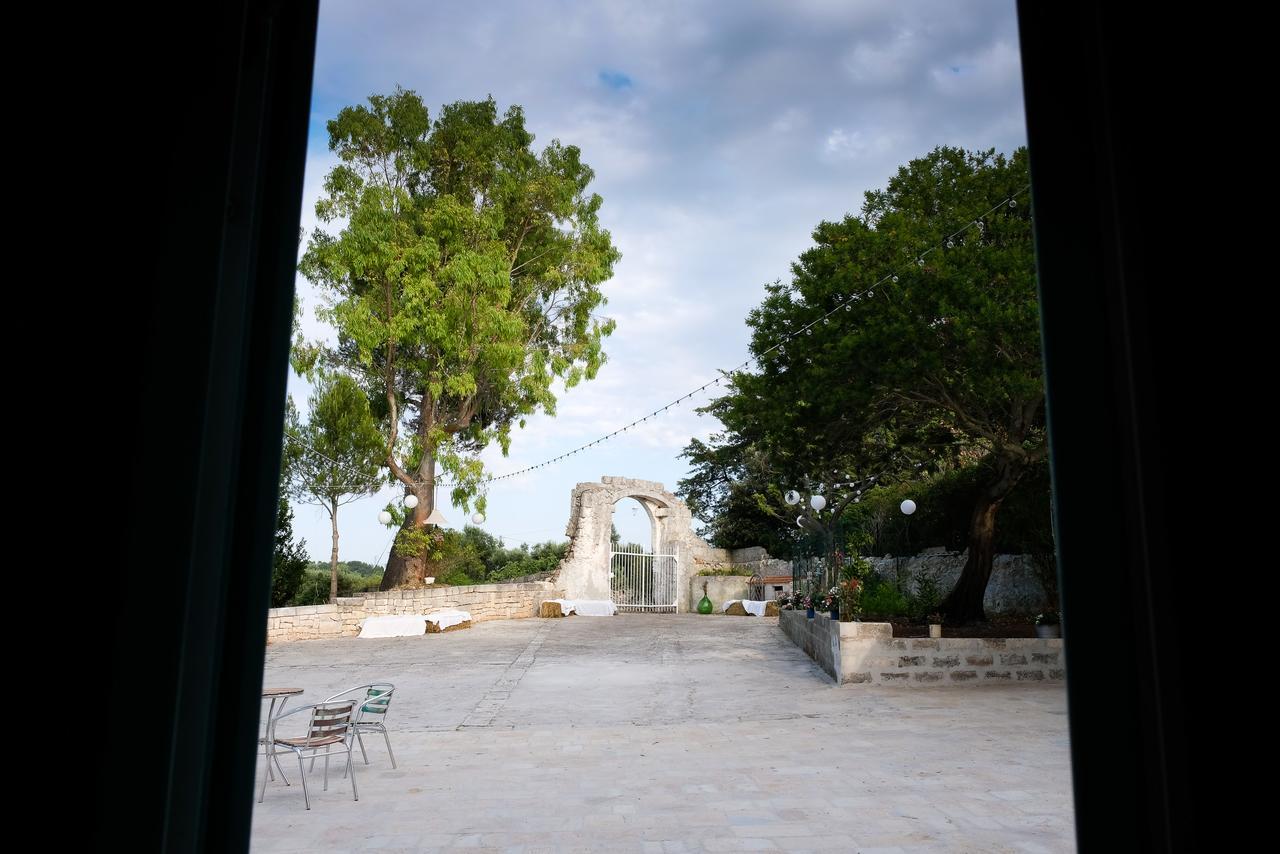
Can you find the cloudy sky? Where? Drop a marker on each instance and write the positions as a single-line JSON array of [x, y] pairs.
[[720, 133]]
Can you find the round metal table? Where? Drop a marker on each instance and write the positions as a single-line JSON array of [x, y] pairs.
[[281, 696]]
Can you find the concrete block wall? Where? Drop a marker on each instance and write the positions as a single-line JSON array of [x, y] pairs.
[[868, 653], [482, 601]]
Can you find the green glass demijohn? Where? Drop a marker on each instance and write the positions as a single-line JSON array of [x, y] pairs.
[[704, 607]]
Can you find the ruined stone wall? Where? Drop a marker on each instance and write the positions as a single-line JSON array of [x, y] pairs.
[[584, 572], [1014, 587]]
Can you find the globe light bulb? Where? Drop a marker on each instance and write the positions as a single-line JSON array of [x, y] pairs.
[[411, 501], [478, 518], [384, 517], [792, 497], [817, 502], [908, 507]]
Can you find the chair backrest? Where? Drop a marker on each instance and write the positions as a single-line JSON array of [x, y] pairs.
[[330, 719], [378, 699]]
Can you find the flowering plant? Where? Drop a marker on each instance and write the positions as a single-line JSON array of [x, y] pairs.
[[850, 596], [831, 599]]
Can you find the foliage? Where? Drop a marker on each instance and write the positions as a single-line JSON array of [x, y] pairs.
[[944, 503], [927, 596], [474, 556], [918, 373], [1048, 618], [463, 281], [418, 541], [314, 589], [288, 560], [883, 600], [830, 599], [337, 452], [849, 595], [353, 567], [726, 570]]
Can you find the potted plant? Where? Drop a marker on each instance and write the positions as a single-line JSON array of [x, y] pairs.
[[808, 605], [831, 603], [935, 625], [1048, 625]]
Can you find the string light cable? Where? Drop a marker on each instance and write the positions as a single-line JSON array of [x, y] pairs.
[[845, 304]]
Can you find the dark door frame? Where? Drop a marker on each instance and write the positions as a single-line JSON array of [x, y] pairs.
[[226, 116]]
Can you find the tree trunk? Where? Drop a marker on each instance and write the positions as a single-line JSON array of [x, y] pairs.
[[964, 603], [410, 571], [333, 555]]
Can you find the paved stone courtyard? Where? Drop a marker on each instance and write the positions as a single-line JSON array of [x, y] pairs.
[[666, 733]]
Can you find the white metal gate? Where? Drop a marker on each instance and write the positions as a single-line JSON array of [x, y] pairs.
[[643, 582]]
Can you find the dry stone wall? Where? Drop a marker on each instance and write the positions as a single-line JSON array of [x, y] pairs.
[[482, 601]]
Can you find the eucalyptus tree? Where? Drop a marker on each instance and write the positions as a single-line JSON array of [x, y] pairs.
[[463, 275]]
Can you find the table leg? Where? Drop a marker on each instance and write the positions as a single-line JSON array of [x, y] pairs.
[[283, 700]]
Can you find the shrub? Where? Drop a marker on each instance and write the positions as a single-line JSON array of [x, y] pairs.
[[314, 589], [882, 600], [927, 597]]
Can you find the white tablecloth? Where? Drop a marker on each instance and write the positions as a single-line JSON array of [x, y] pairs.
[[751, 606], [397, 626], [445, 619], [587, 607]]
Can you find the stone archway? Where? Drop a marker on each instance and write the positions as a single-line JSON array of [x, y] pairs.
[[584, 572]]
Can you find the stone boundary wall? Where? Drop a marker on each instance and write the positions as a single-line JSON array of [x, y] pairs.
[[868, 653], [720, 589], [1014, 586], [482, 601]]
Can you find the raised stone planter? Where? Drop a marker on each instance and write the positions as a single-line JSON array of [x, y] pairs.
[[868, 653]]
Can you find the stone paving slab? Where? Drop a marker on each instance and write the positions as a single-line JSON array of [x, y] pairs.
[[658, 733]]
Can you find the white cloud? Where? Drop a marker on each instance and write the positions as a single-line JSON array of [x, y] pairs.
[[744, 125]]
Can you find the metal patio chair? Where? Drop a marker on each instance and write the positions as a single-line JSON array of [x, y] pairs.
[[372, 714], [330, 729]]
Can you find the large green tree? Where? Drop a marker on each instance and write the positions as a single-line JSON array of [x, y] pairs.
[[463, 281], [338, 454], [946, 349]]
